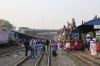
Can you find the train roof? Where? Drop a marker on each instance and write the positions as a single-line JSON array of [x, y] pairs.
[[36, 37]]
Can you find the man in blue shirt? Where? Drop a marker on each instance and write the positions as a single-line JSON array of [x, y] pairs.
[[38, 49]]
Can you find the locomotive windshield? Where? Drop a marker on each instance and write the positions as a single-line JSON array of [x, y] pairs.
[[13, 35], [76, 32]]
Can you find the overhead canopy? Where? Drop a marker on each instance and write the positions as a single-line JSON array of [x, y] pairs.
[[89, 26], [93, 22], [86, 28]]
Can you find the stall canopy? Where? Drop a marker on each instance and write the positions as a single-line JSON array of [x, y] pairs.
[[89, 25]]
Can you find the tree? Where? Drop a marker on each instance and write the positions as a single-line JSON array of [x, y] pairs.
[[95, 17], [6, 24]]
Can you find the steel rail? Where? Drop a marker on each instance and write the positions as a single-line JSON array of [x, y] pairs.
[[22, 61], [37, 62], [88, 63], [88, 59], [49, 54]]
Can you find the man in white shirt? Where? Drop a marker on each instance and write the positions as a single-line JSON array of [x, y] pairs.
[[33, 48], [67, 46]]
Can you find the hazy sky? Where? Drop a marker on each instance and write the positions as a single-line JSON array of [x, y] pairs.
[[28, 13]]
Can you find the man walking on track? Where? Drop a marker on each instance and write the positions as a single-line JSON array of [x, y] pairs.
[[47, 43], [33, 48], [26, 43]]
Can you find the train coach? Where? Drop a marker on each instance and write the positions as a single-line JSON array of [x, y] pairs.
[[8, 37]]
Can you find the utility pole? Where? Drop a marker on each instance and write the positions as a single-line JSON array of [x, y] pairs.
[[42, 21]]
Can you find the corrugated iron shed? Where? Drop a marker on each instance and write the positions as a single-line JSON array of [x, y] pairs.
[[89, 25], [93, 22]]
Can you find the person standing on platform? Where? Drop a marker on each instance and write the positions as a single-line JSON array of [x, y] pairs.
[[54, 50], [33, 48], [26, 43], [47, 43], [38, 49], [43, 42], [88, 43], [67, 46], [75, 46], [93, 49], [98, 44], [59, 46], [46, 50]]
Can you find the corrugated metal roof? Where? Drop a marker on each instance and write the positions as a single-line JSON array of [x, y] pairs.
[[89, 25], [93, 22]]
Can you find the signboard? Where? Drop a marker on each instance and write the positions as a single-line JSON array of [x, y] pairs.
[[96, 26]]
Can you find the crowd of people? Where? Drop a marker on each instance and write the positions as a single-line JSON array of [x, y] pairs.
[[92, 44], [37, 47], [57, 47]]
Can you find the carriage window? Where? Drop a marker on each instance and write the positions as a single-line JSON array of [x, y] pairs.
[[75, 31]]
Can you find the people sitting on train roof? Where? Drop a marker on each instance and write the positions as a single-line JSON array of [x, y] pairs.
[[64, 28]]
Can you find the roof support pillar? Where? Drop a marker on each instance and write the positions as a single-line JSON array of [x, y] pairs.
[[94, 34]]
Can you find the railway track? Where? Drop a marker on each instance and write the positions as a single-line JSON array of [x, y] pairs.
[[7, 51], [43, 60], [86, 59], [39, 61], [89, 57]]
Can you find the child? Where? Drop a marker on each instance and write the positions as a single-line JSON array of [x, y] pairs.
[[54, 53]]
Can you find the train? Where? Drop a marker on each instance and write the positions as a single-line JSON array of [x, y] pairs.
[[8, 37], [77, 37], [70, 35]]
